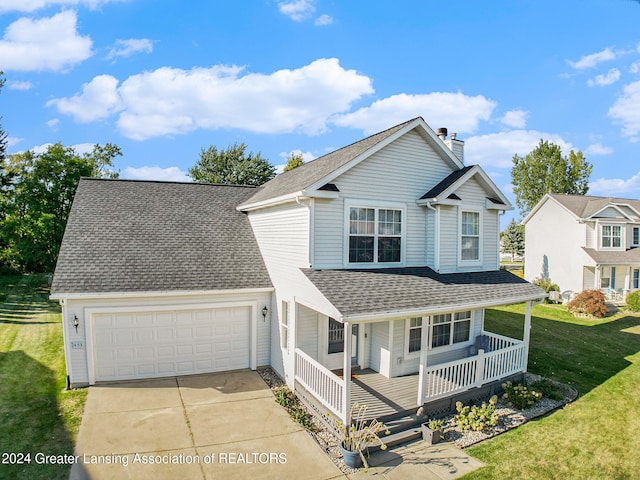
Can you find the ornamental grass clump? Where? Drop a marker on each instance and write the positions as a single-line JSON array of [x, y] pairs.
[[358, 433], [475, 417], [520, 396]]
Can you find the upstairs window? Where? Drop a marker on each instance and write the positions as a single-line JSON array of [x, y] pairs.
[[375, 235], [636, 236], [470, 236], [611, 236]]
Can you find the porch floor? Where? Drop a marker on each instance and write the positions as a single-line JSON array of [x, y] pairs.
[[384, 396]]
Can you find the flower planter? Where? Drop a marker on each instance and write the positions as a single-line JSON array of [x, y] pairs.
[[351, 459], [430, 436]]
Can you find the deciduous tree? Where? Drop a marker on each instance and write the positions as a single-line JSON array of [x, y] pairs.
[[294, 161], [544, 170], [233, 166]]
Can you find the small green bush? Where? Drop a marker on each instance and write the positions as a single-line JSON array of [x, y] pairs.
[[633, 301], [588, 302], [289, 400], [520, 396], [548, 389], [546, 284], [475, 417]]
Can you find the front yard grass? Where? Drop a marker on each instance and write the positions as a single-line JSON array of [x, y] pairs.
[[36, 414], [597, 435]]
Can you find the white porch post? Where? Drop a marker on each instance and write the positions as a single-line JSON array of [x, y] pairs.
[[627, 282], [422, 380], [346, 371], [597, 278], [527, 333]]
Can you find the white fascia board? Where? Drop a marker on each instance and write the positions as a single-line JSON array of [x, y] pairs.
[[165, 293], [609, 205], [457, 307], [290, 197]]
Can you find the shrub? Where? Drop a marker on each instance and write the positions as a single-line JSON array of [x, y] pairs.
[[477, 417], [546, 284], [588, 302], [633, 301], [288, 399], [548, 389], [520, 396]]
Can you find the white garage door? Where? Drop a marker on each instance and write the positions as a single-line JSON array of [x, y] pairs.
[[132, 345]]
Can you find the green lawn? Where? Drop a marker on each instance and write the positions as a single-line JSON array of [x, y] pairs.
[[597, 435], [36, 414]]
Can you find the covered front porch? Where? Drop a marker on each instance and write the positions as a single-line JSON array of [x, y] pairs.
[[338, 389], [616, 281]]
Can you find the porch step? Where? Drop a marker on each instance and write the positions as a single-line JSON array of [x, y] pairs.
[[403, 429]]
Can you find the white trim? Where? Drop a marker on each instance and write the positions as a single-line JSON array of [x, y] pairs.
[[377, 206], [605, 223], [451, 346], [476, 262], [283, 323], [615, 206], [67, 341], [159, 293], [407, 330], [312, 232], [89, 312]]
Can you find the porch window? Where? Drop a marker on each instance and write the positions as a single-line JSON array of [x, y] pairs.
[[415, 335], [449, 329], [636, 236], [611, 236], [335, 337], [605, 277], [470, 239], [636, 278], [284, 326], [375, 235]]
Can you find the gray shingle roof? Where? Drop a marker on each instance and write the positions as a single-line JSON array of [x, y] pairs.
[[449, 180], [583, 206], [311, 172], [137, 236], [380, 291], [631, 256]]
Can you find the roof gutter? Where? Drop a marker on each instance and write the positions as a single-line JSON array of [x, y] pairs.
[[165, 293]]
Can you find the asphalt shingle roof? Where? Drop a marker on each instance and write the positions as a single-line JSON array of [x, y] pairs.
[[138, 236], [583, 206], [379, 291], [631, 256], [311, 172], [449, 180]]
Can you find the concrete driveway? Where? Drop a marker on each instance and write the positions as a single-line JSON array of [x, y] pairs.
[[224, 425]]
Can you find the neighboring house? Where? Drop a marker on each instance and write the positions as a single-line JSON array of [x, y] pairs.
[[584, 243], [378, 258]]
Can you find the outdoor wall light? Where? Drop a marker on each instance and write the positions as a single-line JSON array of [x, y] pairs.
[[76, 322], [265, 310]]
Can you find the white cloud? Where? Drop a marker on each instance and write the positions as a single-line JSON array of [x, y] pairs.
[[456, 111], [306, 156], [598, 149], [634, 67], [497, 149], [11, 141], [590, 61], [616, 187], [19, 85], [79, 148], [172, 174], [171, 101], [323, 20], [297, 10], [612, 76], [45, 44], [127, 48], [515, 118], [53, 123], [626, 110], [99, 99], [33, 5]]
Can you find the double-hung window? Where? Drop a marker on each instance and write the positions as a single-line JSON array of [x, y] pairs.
[[375, 235], [470, 237], [450, 328], [414, 335], [636, 236], [611, 236]]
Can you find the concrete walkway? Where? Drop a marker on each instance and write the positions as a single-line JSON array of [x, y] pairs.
[[224, 425]]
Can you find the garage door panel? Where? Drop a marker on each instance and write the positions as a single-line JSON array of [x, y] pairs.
[[150, 344]]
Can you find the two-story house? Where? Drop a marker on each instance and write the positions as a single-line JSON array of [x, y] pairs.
[[584, 242], [362, 275]]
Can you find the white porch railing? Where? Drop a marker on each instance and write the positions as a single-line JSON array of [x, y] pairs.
[[506, 356], [326, 386]]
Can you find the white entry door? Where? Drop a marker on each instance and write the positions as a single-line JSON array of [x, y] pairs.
[[136, 345]]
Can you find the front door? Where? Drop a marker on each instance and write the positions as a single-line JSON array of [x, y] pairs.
[[333, 349]]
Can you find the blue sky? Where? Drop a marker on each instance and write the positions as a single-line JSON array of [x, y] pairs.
[[164, 79]]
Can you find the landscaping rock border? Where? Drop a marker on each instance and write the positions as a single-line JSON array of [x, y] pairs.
[[509, 418]]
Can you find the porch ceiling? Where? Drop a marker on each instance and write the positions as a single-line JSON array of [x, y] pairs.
[[390, 291], [615, 257]]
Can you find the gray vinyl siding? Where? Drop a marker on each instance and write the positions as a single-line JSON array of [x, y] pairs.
[[448, 238], [307, 331], [588, 278], [430, 247], [592, 238], [379, 341], [400, 173]]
